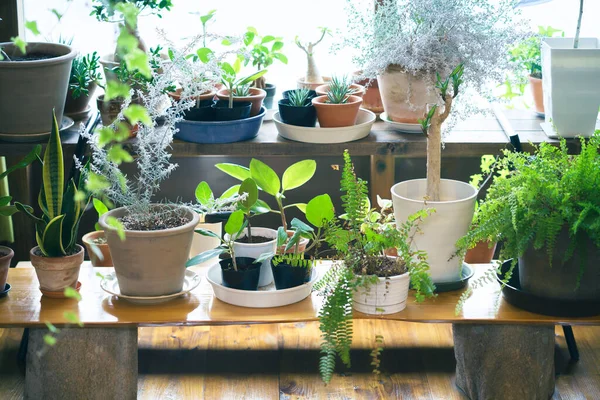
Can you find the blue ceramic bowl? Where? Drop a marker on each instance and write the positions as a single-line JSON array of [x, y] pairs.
[[210, 132]]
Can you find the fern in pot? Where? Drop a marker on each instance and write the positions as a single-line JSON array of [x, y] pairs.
[[365, 278], [546, 213]]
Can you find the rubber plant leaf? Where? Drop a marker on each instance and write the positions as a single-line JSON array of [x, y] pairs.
[[265, 177], [248, 187], [53, 172], [298, 174], [320, 210], [234, 170], [232, 191], [204, 194], [235, 222], [52, 238]]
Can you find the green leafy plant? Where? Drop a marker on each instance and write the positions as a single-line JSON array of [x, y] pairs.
[[6, 210], [209, 204], [232, 83], [263, 51], [84, 72], [104, 10], [361, 241], [339, 90], [534, 198], [204, 20], [299, 98], [62, 205], [268, 181]]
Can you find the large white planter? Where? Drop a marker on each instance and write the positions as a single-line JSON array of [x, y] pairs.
[[253, 250], [571, 82], [387, 296], [442, 229], [202, 243]]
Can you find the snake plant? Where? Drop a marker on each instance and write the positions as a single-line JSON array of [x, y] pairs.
[[62, 205]]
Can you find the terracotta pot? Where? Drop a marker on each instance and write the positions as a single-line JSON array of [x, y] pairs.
[[309, 85], [150, 263], [88, 240], [482, 253], [77, 105], [301, 245], [337, 115], [372, 97], [405, 96], [538, 94], [209, 95], [256, 98], [56, 273], [5, 264], [359, 90]]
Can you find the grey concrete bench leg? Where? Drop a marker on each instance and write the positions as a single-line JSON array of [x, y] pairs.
[[85, 363], [504, 362]]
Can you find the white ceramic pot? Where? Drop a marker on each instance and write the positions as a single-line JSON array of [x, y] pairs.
[[253, 250], [442, 229], [201, 243], [571, 82], [387, 296]]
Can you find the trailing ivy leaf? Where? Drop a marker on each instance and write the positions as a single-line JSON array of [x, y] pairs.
[[267, 39], [115, 90], [49, 340], [118, 155], [32, 26], [73, 318], [51, 327], [20, 43], [136, 113], [298, 174], [126, 42], [71, 293], [96, 183], [137, 60], [117, 225], [130, 13], [204, 54]]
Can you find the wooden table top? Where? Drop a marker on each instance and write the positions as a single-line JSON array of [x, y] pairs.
[[478, 135], [24, 306]]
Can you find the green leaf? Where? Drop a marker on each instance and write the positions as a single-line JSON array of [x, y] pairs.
[[281, 57], [248, 187], [20, 43], [267, 39], [298, 174], [235, 222], [117, 225], [52, 244], [126, 42], [205, 54], [56, 14], [49, 340], [260, 207], [263, 257], [208, 233], [53, 172], [96, 183], [248, 38], [137, 60], [319, 210], [205, 256], [278, 45], [232, 191], [130, 13], [33, 155], [251, 78], [204, 194], [282, 236], [99, 275], [298, 225], [71, 293], [234, 170], [118, 154], [99, 206], [32, 26], [51, 327], [207, 17], [73, 318], [265, 177], [252, 29], [115, 89], [136, 113]]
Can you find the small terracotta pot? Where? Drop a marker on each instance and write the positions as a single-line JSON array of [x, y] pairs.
[[372, 97], [209, 95], [538, 94], [359, 90], [56, 273], [5, 264], [337, 115], [88, 241], [256, 98], [301, 84], [482, 253], [301, 245]]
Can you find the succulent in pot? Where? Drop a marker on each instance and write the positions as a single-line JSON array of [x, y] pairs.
[[238, 89], [82, 84], [358, 90], [364, 277], [297, 108], [339, 107]]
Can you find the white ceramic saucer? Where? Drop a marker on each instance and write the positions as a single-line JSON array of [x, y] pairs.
[[110, 285], [402, 127], [65, 124]]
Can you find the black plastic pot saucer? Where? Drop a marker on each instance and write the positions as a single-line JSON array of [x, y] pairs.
[[466, 274]]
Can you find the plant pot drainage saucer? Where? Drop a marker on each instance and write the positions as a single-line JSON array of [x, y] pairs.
[[110, 285], [466, 273], [79, 115], [60, 294], [264, 297], [5, 291], [65, 124], [401, 126], [516, 296]]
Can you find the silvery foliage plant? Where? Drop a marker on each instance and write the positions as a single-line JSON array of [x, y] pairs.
[[425, 37]]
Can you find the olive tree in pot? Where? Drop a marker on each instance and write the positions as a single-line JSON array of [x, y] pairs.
[[404, 47], [34, 78], [313, 77], [365, 278], [546, 212]]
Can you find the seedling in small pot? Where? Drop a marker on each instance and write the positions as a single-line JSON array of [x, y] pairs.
[[263, 50], [232, 83], [214, 209]]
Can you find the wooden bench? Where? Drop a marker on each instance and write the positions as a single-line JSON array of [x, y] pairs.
[[100, 360]]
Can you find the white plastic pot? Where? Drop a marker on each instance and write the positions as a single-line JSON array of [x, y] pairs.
[[571, 81], [202, 243], [442, 229], [254, 250], [387, 296]]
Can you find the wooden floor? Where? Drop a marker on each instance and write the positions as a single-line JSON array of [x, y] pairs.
[[280, 362]]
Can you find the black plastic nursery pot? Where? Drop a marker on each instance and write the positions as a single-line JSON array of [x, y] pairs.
[[215, 218], [271, 90], [299, 116], [246, 276], [222, 112], [287, 276], [311, 94], [204, 112]]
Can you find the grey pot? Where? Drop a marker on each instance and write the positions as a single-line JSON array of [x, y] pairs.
[[31, 89], [559, 281], [150, 263]]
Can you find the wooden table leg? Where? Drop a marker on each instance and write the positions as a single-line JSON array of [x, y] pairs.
[[85, 363], [504, 361], [382, 177]]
